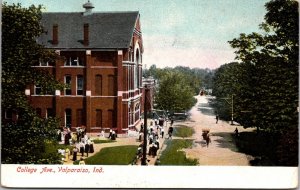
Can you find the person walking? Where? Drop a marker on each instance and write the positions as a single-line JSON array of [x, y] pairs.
[[67, 154], [81, 162], [172, 121], [207, 139], [170, 131], [87, 149], [217, 118], [236, 131], [75, 150], [162, 131], [81, 148]]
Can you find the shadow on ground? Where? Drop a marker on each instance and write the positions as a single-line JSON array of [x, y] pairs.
[[206, 111], [224, 140], [202, 143]]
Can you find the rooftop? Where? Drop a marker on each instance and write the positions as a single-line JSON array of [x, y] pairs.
[[106, 29]]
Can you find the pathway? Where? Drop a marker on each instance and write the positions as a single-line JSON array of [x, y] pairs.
[[221, 150]]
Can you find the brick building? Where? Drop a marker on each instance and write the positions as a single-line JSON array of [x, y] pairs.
[[101, 61]]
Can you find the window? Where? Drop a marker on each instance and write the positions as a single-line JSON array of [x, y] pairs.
[[79, 85], [80, 117], [136, 69], [49, 113], [74, 61], [68, 90], [111, 119], [37, 90], [38, 111], [8, 114], [68, 118], [98, 85], [111, 85], [98, 118], [137, 112], [45, 63]]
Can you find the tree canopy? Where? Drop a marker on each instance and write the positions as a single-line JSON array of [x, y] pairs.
[[265, 83], [24, 140], [177, 86]]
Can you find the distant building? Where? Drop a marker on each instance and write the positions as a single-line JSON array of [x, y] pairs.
[[101, 61]]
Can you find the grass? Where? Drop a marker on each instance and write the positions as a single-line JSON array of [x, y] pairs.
[[119, 155], [98, 141], [183, 131], [173, 155]]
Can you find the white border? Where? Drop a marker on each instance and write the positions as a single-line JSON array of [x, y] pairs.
[[152, 177]]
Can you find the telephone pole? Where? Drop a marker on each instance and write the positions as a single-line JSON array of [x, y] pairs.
[[144, 159]]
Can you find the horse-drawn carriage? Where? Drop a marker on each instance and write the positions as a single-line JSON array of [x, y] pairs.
[[205, 135]]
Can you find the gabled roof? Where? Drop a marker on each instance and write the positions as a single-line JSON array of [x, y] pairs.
[[106, 30]]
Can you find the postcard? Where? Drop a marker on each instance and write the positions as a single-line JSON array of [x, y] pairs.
[[150, 94]]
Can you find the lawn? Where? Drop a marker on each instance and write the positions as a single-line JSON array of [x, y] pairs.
[[173, 155], [118, 155], [183, 131], [99, 141]]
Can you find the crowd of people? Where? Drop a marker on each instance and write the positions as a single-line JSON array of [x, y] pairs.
[[154, 132], [79, 140]]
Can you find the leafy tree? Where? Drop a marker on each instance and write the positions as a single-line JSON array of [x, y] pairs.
[[234, 79], [274, 54], [174, 94], [24, 140], [265, 83]]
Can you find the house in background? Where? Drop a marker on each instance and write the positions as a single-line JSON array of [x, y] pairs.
[[101, 62]]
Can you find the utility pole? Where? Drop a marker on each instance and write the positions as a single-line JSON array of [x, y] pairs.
[[231, 109], [144, 159], [226, 99]]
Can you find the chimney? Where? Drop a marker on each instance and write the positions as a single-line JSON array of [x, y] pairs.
[[86, 34], [88, 8], [55, 34]]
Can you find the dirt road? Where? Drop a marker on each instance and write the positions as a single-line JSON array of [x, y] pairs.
[[221, 150]]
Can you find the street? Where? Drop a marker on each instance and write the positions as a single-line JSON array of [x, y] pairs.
[[221, 150]]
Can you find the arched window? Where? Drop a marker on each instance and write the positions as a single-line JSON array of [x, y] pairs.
[[136, 69]]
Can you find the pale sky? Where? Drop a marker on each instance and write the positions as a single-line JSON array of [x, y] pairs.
[[190, 33]]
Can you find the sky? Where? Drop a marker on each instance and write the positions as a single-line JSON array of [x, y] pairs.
[[193, 33]]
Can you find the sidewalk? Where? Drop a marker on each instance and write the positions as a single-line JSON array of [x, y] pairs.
[[121, 140]]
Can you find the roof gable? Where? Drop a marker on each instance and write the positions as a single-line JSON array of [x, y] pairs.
[[106, 30]]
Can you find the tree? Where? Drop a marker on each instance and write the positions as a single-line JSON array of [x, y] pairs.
[[274, 54], [234, 79], [24, 140], [174, 93]]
